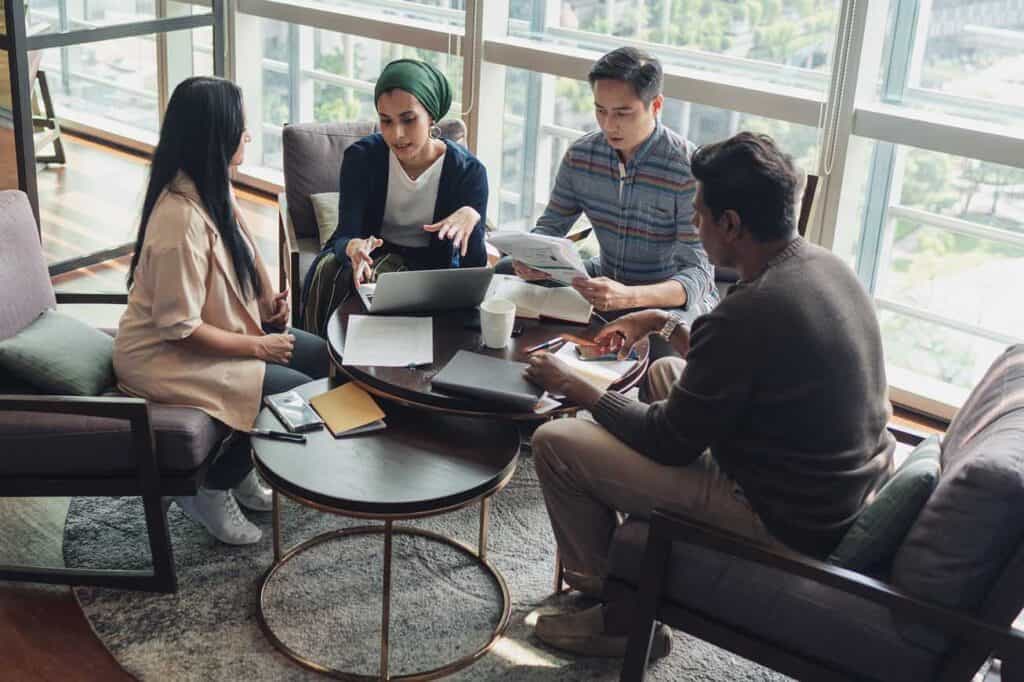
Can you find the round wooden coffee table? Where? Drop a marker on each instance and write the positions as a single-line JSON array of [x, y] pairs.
[[423, 464], [412, 385]]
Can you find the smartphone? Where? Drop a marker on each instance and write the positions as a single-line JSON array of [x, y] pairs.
[[294, 412], [594, 353]]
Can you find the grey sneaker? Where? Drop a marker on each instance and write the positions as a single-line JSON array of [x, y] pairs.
[[582, 632], [252, 494], [217, 511]]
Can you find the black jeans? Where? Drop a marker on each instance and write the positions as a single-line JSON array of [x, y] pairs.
[[309, 361]]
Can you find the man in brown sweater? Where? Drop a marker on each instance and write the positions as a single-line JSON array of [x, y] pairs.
[[773, 427]]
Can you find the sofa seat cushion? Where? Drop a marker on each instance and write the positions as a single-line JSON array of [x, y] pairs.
[[791, 612], [39, 444], [879, 530], [60, 355]]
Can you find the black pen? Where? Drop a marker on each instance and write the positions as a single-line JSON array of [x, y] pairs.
[[278, 435], [558, 340]]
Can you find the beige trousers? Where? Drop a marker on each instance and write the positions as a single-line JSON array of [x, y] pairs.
[[589, 477]]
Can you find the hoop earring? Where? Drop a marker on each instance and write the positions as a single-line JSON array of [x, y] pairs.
[[435, 131]]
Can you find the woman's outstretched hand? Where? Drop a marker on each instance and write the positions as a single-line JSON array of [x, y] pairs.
[[358, 252], [458, 227]]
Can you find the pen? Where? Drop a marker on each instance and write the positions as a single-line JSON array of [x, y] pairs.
[[547, 344], [278, 435]]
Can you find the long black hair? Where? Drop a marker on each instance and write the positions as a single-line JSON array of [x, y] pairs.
[[202, 129]]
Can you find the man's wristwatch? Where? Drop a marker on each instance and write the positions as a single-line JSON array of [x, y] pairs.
[[669, 327]]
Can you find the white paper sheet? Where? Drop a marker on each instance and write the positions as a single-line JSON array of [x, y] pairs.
[[382, 341], [556, 256]]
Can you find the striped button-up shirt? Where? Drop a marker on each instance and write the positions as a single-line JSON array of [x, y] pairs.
[[641, 212]]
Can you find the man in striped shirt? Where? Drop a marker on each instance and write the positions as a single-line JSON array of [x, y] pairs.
[[632, 180]]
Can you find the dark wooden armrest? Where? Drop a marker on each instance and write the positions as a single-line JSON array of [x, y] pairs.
[[906, 434], [1006, 641], [288, 253], [113, 407], [65, 297]]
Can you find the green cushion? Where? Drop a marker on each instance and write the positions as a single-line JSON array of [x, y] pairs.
[[59, 355], [325, 207], [877, 533]]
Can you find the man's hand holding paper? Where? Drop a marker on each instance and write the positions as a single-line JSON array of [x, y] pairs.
[[553, 256]]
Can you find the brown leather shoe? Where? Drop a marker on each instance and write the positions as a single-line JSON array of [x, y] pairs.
[[589, 585], [582, 633]]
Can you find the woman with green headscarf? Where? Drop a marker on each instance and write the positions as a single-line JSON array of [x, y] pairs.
[[409, 199]]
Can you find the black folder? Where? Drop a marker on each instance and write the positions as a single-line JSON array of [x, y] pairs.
[[491, 379]]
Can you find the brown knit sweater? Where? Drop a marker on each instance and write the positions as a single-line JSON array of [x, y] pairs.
[[785, 383]]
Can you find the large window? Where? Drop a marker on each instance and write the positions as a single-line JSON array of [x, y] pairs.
[[907, 110]]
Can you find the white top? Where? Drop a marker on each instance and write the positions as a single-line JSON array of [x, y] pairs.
[[410, 203]]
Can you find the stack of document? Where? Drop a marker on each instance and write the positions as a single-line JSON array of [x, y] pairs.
[[349, 410], [556, 256], [534, 301]]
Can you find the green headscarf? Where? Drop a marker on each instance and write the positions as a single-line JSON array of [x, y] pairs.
[[423, 81]]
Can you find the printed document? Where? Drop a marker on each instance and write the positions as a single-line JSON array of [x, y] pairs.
[[556, 256], [382, 341]]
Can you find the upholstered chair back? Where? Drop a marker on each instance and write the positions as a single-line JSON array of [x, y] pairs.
[[312, 162], [25, 289]]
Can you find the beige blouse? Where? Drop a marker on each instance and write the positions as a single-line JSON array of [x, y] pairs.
[[185, 277]]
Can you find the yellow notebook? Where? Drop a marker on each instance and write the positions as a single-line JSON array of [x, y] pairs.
[[348, 409]]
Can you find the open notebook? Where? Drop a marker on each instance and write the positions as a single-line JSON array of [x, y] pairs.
[[534, 301]]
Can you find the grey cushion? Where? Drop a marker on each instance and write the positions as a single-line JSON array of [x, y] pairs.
[[877, 533], [38, 444], [60, 355], [25, 290], [787, 610], [325, 208], [971, 524], [974, 521], [999, 392]]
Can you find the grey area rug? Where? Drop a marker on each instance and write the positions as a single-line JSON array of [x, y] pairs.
[[327, 604]]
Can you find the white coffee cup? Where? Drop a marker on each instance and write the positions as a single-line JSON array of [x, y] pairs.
[[497, 317]]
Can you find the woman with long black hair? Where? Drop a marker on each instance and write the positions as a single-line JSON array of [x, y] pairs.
[[204, 326]]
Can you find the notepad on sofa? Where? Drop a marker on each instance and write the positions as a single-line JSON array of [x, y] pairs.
[[534, 301], [349, 410], [488, 378]]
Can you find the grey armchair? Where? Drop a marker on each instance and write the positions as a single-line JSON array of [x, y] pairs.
[[312, 165], [56, 446], [937, 612]]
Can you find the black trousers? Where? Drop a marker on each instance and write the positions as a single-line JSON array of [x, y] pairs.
[[309, 361]]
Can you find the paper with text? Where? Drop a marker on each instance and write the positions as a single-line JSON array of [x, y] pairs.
[[556, 256], [382, 341]]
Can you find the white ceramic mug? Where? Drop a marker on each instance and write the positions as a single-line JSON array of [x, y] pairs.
[[497, 317]]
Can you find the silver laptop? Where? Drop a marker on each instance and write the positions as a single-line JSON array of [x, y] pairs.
[[426, 291]]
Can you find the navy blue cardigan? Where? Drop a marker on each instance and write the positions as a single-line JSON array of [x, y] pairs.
[[364, 188]]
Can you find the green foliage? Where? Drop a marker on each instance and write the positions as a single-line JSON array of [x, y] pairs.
[[928, 182]]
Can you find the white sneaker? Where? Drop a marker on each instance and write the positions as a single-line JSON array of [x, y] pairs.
[[253, 494], [217, 511]]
